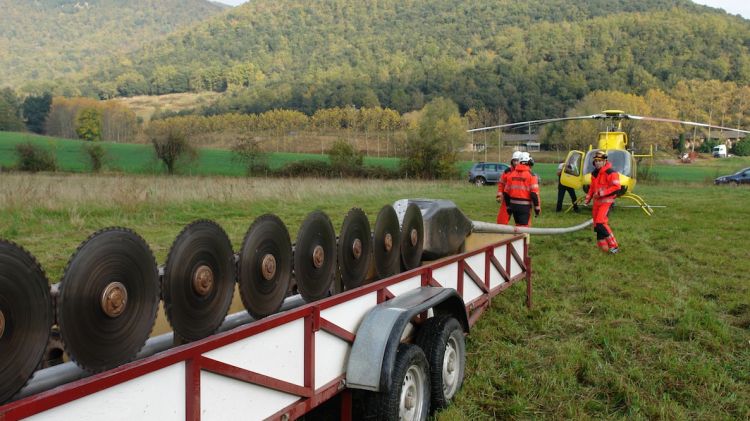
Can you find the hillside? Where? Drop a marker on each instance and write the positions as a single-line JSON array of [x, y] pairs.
[[523, 59], [46, 39]]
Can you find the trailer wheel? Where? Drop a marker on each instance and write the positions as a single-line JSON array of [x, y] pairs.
[[408, 397], [442, 339]]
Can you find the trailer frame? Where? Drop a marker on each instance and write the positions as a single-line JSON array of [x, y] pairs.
[[477, 276]]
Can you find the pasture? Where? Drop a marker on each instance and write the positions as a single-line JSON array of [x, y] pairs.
[[130, 158], [661, 330]]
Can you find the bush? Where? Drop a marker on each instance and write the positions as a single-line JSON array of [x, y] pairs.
[[247, 152], [96, 155], [708, 145], [345, 160], [308, 168], [33, 158], [742, 148]]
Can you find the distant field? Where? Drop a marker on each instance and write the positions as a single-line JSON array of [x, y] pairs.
[[145, 106], [139, 159], [659, 331]]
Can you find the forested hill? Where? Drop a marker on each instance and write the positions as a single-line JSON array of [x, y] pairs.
[[527, 59], [44, 39]]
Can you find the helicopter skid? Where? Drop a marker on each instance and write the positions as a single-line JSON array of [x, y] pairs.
[[645, 207]]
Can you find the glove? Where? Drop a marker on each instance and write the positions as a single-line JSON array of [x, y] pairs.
[[537, 210]]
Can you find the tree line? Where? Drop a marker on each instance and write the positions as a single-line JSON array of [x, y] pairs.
[[525, 62]]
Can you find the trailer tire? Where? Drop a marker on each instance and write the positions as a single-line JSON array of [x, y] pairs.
[[408, 396], [442, 339]]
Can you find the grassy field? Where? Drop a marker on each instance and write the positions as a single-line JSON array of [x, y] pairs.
[[139, 159], [659, 331]]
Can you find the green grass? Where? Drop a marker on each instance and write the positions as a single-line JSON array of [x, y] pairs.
[[140, 159], [659, 331]]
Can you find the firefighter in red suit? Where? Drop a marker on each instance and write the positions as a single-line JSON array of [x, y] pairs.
[[521, 193], [605, 184], [503, 217]]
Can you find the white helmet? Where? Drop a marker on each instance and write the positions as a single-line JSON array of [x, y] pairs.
[[525, 158], [516, 155]]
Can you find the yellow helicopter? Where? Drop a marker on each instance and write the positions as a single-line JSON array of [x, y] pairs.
[[578, 165]]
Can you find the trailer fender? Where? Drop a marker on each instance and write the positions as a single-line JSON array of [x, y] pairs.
[[374, 350]]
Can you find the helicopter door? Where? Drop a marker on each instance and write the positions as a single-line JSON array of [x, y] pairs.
[[572, 174]]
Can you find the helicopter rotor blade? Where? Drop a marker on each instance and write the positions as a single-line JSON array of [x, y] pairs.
[[537, 122], [689, 123]]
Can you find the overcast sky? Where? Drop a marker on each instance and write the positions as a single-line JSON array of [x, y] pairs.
[[735, 7]]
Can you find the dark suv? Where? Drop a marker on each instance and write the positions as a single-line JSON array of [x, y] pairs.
[[482, 173]]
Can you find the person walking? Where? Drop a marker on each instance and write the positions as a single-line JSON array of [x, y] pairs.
[[521, 192], [503, 216], [562, 189], [605, 184]]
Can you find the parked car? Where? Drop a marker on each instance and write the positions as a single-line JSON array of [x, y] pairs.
[[740, 177], [483, 173]]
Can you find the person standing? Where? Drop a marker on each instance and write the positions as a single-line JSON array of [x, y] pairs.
[[503, 216], [521, 192], [562, 189], [605, 184]]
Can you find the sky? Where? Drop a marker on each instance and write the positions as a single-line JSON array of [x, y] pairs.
[[741, 7]]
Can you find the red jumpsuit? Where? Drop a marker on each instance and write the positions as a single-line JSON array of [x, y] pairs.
[[502, 214], [605, 184], [521, 193]]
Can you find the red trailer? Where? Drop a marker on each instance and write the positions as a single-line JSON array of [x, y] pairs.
[[394, 347]]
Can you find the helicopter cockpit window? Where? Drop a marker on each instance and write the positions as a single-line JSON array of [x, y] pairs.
[[620, 161], [573, 166]]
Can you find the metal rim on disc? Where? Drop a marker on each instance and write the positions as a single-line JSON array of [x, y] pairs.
[[265, 266], [354, 249], [25, 317], [412, 242], [315, 256], [198, 281], [93, 339], [114, 299], [387, 235]]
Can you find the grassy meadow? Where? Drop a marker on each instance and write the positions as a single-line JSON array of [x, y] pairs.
[[139, 159], [659, 331]]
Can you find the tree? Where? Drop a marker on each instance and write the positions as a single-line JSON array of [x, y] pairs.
[[89, 124], [581, 134], [432, 143], [172, 148], [742, 148], [35, 111], [10, 111]]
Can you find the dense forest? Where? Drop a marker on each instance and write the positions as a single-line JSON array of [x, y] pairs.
[[42, 40], [520, 60]]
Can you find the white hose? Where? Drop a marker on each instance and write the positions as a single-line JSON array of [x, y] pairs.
[[486, 227]]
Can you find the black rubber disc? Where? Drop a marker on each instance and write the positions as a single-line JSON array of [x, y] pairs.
[[198, 281], [109, 295], [315, 257], [354, 249], [412, 237], [265, 268], [25, 317], [386, 241]]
